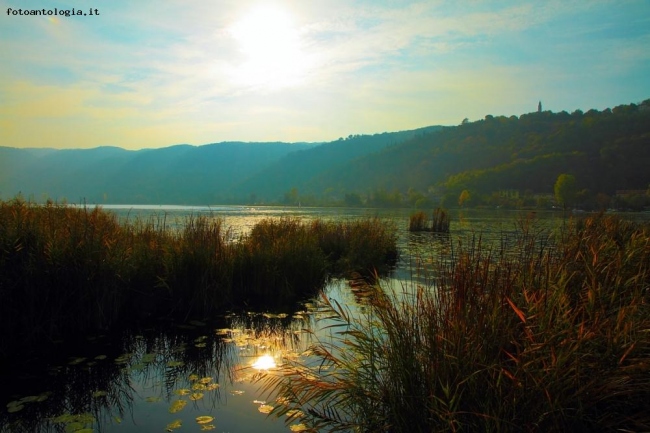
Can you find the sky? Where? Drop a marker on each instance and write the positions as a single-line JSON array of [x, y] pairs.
[[149, 74]]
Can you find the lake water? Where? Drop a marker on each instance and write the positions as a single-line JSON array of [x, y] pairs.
[[199, 375]]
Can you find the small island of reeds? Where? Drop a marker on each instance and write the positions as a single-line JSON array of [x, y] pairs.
[[67, 271], [418, 222]]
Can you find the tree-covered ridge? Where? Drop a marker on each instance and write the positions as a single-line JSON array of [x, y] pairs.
[[606, 151], [496, 161]]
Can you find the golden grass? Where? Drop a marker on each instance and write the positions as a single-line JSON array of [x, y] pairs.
[[549, 336]]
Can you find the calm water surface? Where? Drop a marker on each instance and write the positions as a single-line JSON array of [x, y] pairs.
[[200, 375]]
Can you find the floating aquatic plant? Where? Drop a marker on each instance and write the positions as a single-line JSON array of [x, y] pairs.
[[204, 419], [265, 408], [177, 406], [176, 424], [196, 396], [14, 406]]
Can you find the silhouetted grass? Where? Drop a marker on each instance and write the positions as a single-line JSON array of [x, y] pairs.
[[66, 270], [551, 336]]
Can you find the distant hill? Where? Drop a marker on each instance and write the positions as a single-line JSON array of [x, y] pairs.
[[305, 169], [180, 174], [522, 157], [227, 172]]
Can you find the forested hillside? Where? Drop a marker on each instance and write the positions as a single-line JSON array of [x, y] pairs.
[[496, 161], [606, 151]]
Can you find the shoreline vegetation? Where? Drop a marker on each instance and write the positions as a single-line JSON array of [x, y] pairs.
[[549, 334], [67, 270]]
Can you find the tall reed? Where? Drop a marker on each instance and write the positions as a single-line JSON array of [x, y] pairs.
[[439, 222], [418, 222], [555, 342], [65, 271]]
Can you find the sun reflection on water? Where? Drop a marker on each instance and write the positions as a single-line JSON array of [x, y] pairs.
[[264, 362]]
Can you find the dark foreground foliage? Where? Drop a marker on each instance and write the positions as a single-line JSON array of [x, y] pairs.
[[552, 335], [66, 270]]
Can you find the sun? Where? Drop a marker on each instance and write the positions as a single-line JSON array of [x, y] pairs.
[[270, 46]]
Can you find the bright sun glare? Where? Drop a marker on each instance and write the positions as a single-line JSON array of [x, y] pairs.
[[264, 362], [271, 48]]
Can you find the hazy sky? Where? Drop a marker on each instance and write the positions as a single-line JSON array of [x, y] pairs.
[[156, 73]]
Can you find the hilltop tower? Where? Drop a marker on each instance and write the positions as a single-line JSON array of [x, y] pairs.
[[539, 107]]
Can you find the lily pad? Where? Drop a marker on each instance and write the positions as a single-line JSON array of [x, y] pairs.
[[196, 396], [205, 380], [98, 394], [15, 408], [182, 391], [206, 427], [204, 419], [148, 357], [174, 425], [175, 364], [68, 418], [265, 408], [123, 358], [177, 406], [74, 427], [29, 399], [294, 413], [298, 428]]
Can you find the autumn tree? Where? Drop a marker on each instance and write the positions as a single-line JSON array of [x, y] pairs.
[[565, 189]]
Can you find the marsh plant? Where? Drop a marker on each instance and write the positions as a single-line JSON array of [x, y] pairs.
[[66, 271], [550, 334], [439, 223]]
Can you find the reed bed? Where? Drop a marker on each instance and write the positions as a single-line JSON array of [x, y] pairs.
[[418, 222], [68, 271], [440, 221], [553, 337]]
